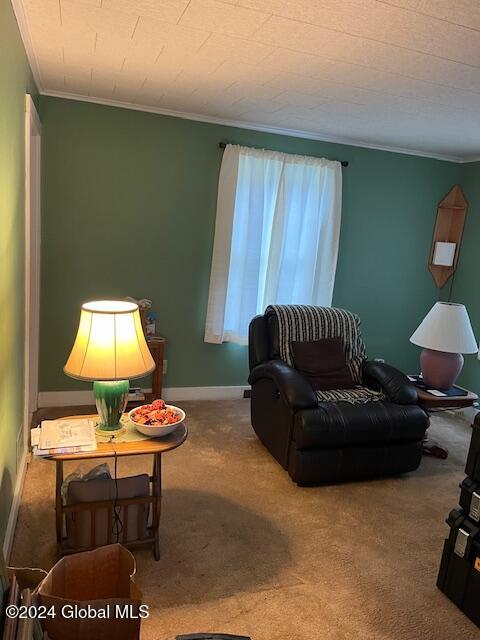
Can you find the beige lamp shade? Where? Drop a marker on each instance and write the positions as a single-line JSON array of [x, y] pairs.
[[446, 327], [110, 344]]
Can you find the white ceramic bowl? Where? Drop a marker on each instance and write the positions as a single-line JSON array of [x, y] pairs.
[[162, 430]]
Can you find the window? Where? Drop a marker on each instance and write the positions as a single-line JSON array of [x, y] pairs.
[[276, 237]]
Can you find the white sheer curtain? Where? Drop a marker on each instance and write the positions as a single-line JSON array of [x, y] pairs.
[[276, 237]]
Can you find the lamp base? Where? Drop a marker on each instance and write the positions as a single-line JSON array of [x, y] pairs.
[[110, 399], [440, 369]]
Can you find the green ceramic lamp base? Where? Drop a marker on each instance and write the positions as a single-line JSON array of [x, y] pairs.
[[110, 399]]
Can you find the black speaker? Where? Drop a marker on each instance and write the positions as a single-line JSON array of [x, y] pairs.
[[472, 468], [459, 574], [470, 499]]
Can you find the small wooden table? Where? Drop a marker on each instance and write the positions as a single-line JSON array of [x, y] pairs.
[[156, 344], [431, 404], [154, 446]]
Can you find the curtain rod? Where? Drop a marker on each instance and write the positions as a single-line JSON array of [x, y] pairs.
[[222, 145]]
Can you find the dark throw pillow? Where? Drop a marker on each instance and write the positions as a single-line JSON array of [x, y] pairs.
[[323, 363]]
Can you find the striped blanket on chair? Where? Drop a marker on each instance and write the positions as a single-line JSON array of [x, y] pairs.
[[302, 322]]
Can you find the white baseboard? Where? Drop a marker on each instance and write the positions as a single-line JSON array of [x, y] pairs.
[[76, 398], [12, 518], [204, 393]]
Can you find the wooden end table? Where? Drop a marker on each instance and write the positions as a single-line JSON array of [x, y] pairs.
[[431, 404], [153, 446], [156, 344]]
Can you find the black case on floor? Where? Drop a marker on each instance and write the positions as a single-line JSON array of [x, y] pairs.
[[459, 575], [472, 468], [470, 499]]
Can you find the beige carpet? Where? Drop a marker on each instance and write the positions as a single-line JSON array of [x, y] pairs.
[[244, 550]]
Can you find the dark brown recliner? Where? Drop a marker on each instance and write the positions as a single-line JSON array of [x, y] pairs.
[[327, 442]]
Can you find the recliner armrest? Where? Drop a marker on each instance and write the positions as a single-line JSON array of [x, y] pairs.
[[295, 389], [396, 385]]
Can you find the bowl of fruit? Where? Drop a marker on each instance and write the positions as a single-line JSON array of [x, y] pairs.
[[156, 419]]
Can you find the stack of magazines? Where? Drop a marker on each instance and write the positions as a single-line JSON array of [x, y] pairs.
[[55, 437]]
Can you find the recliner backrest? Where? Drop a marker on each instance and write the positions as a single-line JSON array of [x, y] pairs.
[[304, 322]]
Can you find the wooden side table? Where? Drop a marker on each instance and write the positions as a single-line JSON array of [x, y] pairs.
[[156, 344], [431, 404], [154, 446]]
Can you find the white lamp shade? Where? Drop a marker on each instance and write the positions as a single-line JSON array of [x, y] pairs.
[[446, 327], [110, 344]]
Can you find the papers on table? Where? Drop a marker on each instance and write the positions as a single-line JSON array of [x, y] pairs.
[[63, 436], [58, 434]]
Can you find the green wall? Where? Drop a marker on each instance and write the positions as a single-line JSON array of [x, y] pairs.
[[465, 287], [129, 209], [15, 81]]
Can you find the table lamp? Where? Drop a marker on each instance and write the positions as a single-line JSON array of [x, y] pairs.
[[445, 333], [110, 349]]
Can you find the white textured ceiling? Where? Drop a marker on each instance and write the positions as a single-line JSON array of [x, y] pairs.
[[394, 73]]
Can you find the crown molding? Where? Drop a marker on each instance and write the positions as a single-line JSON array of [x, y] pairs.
[[255, 126], [470, 159], [21, 18]]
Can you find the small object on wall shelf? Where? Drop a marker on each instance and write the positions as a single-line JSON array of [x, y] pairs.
[[444, 254], [447, 235]]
